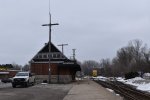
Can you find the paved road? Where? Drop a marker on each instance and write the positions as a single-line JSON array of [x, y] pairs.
[[37, 92]]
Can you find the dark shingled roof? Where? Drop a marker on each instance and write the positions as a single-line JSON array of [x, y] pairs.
[[54, 49], [65, 62], [45, 49]]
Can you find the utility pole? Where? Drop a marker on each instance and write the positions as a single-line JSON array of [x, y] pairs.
[[74, 51], [50, 24], [62, 45]]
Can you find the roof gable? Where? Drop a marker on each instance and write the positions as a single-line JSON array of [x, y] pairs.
[[45, 49], [43, 54]]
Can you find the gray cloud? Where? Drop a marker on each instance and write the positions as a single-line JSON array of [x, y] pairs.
[[96, 28]]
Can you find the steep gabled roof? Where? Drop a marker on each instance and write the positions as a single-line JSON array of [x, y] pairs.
[[45, 50], [63, 60]]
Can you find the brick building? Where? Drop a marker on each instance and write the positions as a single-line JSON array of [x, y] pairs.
[[63, 70]]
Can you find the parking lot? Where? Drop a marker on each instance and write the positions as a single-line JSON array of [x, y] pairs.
[[4, 85], [37, 92]]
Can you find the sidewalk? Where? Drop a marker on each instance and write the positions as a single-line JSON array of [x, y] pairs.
[[91, 91]]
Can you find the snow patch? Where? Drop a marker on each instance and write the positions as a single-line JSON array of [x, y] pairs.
[[138, 82], [102, 78], [43, 83], [146, 74], [110, 90], [117, 94]]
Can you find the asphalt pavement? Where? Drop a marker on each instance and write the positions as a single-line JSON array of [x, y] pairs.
[[80, 90], [37, 92], [90, 90]]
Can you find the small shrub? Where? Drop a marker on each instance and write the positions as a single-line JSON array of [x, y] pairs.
[[131, 75]]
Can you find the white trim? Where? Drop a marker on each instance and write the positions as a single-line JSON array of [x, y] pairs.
[[4, 73], [69, 63], [48, 62]]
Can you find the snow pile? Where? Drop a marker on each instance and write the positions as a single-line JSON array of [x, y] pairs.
[[144, 87], [120, 79], [102, 78], [138, 82], [130, 81], [147, 74]]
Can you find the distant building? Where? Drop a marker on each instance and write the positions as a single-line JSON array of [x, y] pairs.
[[62, 69], [6, 66], [6, 71]]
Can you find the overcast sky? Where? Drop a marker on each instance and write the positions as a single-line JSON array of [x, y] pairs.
[[96, 28]]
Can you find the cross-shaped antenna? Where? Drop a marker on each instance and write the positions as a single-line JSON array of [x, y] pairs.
[[50, 24], [62, 45]]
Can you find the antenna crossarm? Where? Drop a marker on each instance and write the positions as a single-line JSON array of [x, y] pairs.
[[50, 24]]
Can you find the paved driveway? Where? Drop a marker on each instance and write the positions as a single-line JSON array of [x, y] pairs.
[[37, 92]]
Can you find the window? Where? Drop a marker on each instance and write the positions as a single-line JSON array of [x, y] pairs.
[[50, 55], [44, 56], [54, 56], [40, 56], [58, 55]]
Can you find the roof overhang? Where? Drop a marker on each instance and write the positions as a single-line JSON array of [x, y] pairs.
[[70, 66], [2, 73]]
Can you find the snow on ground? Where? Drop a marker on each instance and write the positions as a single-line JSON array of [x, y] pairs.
[[100, 78], [4, 85], [138, 82], [110, 90], [44, 83]]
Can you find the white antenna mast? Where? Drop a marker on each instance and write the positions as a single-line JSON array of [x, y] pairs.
[[49, 6]]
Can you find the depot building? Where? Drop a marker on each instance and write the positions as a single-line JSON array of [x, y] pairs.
[[62, 69]]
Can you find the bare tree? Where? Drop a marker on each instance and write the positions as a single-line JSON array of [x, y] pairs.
[[16, 66], [135, 57], [106, 67], [87, 66], [26, 67]]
